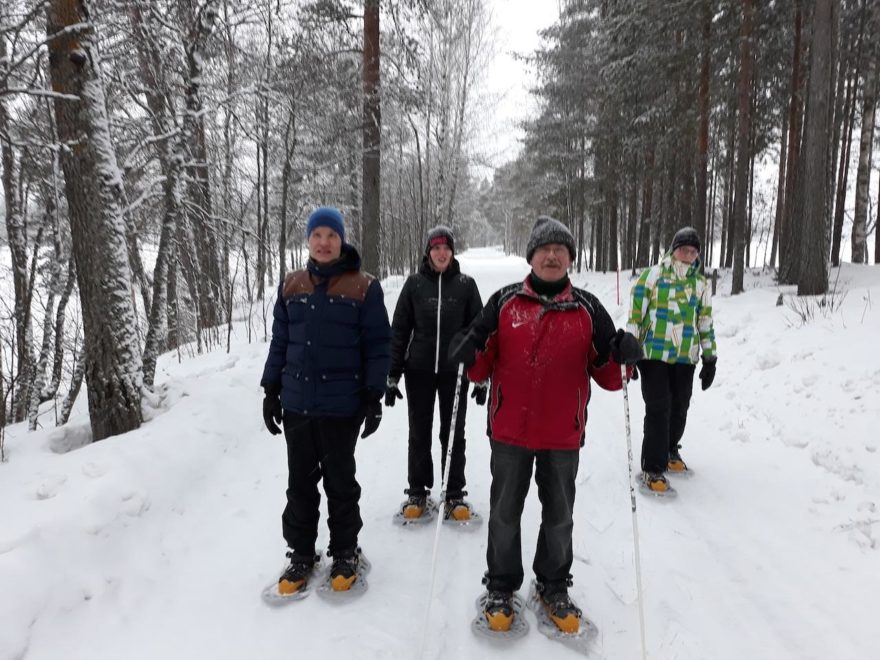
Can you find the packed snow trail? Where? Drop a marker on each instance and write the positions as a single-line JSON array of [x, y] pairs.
[[158, 543]]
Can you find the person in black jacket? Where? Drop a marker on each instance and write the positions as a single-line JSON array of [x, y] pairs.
[[324, 377], [434, 304]]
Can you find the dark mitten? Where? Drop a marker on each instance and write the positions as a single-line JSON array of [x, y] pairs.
[[392, 392], [272, 411], [481, 391], [707, 373], [635, 374], [372, 416], [625, 348]]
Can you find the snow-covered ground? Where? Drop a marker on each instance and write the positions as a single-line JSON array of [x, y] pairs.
[[157, 543]]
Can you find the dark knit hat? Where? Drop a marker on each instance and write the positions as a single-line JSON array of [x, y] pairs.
[[546, 231], [326, 216], [685, 236], [439, 235]]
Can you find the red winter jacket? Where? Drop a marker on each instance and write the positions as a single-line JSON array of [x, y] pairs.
[[540, 355]]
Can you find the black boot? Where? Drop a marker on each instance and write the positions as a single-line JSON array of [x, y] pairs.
[[344, 571], [296, 575]]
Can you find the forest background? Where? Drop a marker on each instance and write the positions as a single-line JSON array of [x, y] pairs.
[[159, 157]]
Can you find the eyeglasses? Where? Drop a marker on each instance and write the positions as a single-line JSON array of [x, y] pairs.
[[556, 249]]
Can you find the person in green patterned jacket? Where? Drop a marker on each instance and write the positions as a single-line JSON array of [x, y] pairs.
[[671, 314]]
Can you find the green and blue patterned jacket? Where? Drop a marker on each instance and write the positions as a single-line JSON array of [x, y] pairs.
[[671, 313]]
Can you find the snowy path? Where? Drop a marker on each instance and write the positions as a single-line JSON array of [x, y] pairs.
[[157, 544]]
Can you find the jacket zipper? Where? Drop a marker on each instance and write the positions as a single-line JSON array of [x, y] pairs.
[[439, 299]]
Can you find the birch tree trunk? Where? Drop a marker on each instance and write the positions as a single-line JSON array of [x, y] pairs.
[[16, 235], [38, 388], [200, 18], [60, 316], [171, 152]]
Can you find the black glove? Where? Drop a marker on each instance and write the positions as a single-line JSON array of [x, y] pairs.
[[707, 373], [625, 348], [481, 391], [372, 415], [392, 392], [635, 375], [272, 410], [463, 349]]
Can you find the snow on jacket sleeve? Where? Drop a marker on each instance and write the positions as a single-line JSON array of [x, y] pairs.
[[278, 344], [401, 328], [705, 327], [375, 339]]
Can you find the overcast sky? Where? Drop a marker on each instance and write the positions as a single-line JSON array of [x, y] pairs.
[[516, 24]]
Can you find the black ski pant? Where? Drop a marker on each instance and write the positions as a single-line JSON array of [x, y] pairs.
[[421, 387], [555, 473], [666, 389], [321, 447]]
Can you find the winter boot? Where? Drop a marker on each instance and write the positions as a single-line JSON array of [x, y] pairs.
[[498, 610], [414, 507], [457, 509], [296, 575], [675, 464], [344, 570], [655, 482], [561, 610]]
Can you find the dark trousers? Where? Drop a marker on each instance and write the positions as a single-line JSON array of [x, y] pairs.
[[555, 472], [321, 447], [666, 389], [421, 386]]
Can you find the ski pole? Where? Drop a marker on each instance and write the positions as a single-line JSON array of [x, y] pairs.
[[440, 512], [635, 518]]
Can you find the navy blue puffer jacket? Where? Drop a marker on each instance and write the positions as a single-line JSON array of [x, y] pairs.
[[330, 347]]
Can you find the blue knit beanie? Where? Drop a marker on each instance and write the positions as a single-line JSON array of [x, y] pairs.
[[326, 216]]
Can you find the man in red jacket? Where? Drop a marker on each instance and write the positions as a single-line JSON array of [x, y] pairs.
[[539, 341]]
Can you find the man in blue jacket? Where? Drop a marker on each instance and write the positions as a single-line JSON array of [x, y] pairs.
[[325, 375]]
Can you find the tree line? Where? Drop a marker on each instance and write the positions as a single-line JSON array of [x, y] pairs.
[[159, 157], [656, 115]]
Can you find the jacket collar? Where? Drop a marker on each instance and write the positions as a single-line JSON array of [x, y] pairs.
[[563, 296], [426, 270], [349, 260], [668, 262]]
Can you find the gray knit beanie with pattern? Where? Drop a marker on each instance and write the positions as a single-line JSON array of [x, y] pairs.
[[546, 231]]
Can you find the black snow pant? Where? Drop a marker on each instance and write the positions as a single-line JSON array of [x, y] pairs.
[[666, 389], [555, 473], [421, 386], [321, 447]]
